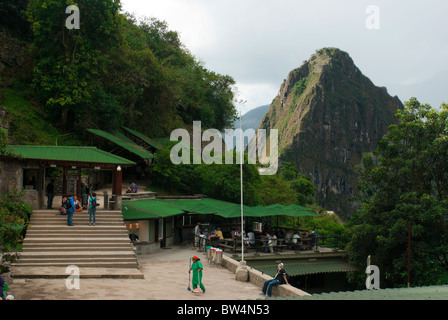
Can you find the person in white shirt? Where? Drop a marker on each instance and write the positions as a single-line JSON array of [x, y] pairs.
[[197, 233], [272, 243]]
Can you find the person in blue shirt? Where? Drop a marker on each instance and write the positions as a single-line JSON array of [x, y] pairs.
[[70, 211], [93, 203], [132, 188]]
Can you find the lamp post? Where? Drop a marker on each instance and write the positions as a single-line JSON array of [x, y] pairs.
[[241, 273], [241, 181]]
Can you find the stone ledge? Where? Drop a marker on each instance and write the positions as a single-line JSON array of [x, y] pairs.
[[258, 278]]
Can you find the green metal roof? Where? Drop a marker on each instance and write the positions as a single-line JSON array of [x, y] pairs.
[[300, 269], [144, 138], [164, 208], [416, 293], [124, 142], [68, 154], [149, 209]]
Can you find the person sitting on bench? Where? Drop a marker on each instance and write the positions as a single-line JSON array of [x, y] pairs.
[[132, 188]]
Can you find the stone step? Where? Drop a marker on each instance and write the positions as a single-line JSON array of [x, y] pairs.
[[80, 263], [68, 247], [76, 261], [85, 244], [85, 222], [86, 213], [81, 228], [75, 216], [51, 245], [56, 211], [84, 234], [75, 240], [21, 272], [86, 228], [76, 254]]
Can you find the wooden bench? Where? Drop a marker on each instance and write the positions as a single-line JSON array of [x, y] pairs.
[[280, 247]]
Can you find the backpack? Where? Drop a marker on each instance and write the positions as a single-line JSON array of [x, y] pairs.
[[94, 202], [71, 208]]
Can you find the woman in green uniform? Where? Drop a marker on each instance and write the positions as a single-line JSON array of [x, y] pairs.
[[197, 273]]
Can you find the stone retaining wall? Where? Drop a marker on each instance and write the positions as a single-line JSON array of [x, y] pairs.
[[258, 278]]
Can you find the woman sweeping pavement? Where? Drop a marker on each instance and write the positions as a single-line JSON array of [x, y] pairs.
[[197, 268]]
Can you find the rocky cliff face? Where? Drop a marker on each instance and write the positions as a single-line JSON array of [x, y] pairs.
[[328, 114]]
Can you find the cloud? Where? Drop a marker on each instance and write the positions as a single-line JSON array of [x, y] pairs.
[[191, 20], [259, 42], [256, 94]]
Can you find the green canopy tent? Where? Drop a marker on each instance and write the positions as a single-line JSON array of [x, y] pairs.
[[166, 208], [149, 209]]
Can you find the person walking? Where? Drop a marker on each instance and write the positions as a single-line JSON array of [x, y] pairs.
[[197, 233], [93, 203], [70, 211], [197, 268], [50, 194], [280, 278]]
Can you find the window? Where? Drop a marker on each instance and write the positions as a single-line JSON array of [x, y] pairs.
[[30, 179]]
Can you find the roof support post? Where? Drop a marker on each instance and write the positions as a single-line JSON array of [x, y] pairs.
[[117, 185]]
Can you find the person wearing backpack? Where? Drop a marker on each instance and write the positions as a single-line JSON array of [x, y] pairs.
[[93, 203], [280, 278], [70, 211]]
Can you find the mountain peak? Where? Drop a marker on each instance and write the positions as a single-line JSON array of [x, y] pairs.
[[328, 114]]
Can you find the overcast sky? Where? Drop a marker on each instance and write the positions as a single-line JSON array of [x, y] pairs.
[[402, 45]]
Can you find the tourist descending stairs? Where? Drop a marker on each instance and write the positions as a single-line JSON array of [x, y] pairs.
[[100, 251]]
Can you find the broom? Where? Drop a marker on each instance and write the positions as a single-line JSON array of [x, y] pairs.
[[189, 276]]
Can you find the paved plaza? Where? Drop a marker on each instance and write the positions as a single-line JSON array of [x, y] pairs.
[[166, 278]]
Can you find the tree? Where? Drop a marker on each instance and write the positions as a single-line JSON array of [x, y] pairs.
[[14, 213], [161, 86], [275, 189], [172, 177], [302, 185], [404, 181], [222, 181], [13, 16], [70, 63]]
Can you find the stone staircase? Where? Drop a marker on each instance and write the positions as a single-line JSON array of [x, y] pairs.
[[99, 251]]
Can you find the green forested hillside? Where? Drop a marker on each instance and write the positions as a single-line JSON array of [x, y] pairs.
[[113, 71]]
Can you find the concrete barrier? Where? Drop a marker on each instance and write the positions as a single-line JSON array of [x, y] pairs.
[[258, 278]]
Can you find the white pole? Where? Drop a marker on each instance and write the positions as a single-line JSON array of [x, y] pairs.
[[241, 178]]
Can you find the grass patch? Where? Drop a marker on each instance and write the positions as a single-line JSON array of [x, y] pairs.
[[164, 192], [27, 123]]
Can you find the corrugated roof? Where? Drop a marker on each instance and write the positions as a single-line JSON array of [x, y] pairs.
[[144, 138], [124, 142], [209, 206], [300, 269], [417, 293], [149, 209], [69, 154]]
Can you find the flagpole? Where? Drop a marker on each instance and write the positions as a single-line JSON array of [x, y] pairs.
[[241, 180]]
